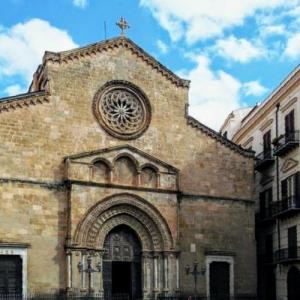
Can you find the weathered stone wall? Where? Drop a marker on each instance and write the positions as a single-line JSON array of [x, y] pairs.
[[67, 126], [36, 215], [34, 140], [220, 227]]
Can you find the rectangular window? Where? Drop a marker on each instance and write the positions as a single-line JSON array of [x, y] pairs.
[[292, 242], [269, 247], [289, 126], [267, 144], [266, 198]]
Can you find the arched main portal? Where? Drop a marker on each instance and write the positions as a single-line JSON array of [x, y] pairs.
[[122, 263], [126, 233], [293, 283]]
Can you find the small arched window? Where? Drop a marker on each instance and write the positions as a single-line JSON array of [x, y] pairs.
[[149, 177], [125, 171], [100, 171]]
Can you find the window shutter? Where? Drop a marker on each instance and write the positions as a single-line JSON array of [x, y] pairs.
[[284, 189], [297, 186], [292, 127]]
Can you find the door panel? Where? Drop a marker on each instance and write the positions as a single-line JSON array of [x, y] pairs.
[[10, 274], [219, 276]]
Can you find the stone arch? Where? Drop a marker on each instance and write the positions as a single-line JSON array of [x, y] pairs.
[[125, 170], [143, 235], [101, 170], [149, 176], [127, 209]]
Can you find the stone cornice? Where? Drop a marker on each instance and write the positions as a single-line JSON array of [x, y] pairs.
[[217, 136], [23, 100], [261, 111], [92, 49]]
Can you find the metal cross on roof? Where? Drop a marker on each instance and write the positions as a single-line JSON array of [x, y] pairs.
[[123, 25]]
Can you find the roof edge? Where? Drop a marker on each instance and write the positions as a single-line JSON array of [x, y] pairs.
[[217, 136], [65, 56]]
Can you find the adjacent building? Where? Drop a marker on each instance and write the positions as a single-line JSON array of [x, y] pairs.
[[101, 166], [271, 129]]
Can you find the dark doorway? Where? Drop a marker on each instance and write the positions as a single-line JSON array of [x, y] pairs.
[[121, 277], [219, 281], [293, 283], [122, 263], [270, 288], [10, 274]]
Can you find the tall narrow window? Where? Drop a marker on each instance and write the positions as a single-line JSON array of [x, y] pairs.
[[267, 144], [292, 242], [289, 126], [266, 198], [269, 248]]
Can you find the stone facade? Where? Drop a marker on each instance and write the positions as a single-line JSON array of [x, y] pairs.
[[66, 182], [273, 134]]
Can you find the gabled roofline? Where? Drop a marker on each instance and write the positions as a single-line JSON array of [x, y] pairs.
[[106, 45], [23, 100], [126, 146], [220, 138]]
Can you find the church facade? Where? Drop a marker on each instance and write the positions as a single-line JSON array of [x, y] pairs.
[[102, 168]]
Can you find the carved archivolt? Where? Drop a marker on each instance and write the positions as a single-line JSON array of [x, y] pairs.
[[124, 209]]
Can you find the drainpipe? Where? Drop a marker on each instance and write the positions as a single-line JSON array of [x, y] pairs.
[[277, 179]]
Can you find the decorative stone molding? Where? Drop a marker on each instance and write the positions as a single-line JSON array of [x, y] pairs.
[[124, 209], [289, 164], [122, 109], [215, 135], [266, 124], [24, 100], [289, 104], [88, 51]]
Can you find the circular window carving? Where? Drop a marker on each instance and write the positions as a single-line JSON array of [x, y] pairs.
[[122, 109]]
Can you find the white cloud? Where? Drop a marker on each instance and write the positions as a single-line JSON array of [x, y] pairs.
[[240, 50], [213, 94], [22, 46], [195, 20], [292, 49], [254, 88], [14, 90], [80, 3], [163, 47]]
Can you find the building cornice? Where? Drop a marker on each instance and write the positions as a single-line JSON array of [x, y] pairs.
[[261, 111], [23, 100], [75, 54]]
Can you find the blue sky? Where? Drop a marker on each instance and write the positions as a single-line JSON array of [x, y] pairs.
[[235, 52]]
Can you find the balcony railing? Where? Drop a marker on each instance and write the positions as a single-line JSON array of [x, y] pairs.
[[287, 206], [286, 143], [287, 255], [263, 160]]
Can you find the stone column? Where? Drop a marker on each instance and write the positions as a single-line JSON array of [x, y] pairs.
[[76, 277], [147, 275], [155, 275], [69, 269], [98, 276], [166, 273]]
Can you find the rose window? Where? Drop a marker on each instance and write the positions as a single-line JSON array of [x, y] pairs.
[[122, 110]]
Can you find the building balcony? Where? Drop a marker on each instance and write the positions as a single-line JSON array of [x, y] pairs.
[[263, 160], [286, 143], [286, 207], [287, 255]]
